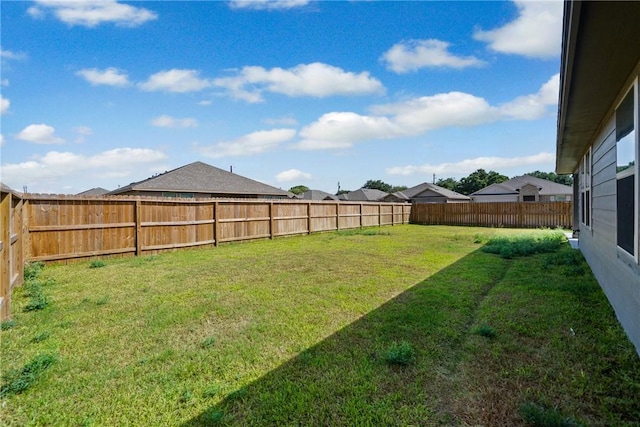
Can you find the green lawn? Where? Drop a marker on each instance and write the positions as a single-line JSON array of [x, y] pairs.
[[403, 325]]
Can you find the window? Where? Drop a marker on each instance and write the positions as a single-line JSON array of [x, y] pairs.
[[528, 198], [585, 189], [626, 144]]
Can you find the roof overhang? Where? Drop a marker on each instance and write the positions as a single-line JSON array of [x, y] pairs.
[[600, 51]]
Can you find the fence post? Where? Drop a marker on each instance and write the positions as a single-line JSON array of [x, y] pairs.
[[337, 216], [5, 251], [361, 215], [270, 220], [138, 221], [216, 223], [309, 218]]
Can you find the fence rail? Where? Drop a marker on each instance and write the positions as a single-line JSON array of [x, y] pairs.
[[498, 214]]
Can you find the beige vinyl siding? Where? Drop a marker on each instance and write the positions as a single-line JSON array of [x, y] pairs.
[[603, 201]]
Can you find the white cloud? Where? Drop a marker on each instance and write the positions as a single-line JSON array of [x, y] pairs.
[[82, 132], [39, 134], [267, 4], [467, 166], [284, 121], [530, 107], [7, 54], [536, 32], [417, 116], [165, 121], [91, 13], [4, 82], [412, 55], [110, 76], [250, 144], [315, 79], [175, 80], [205, 102], [4, 105], [55, 167], [1, 140], [293, 175]]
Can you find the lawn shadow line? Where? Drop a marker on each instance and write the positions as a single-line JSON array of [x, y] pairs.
[[345, 379]]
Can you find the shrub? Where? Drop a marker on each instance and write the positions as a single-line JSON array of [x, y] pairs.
[[400, 354], [524, 245], [41, 337]]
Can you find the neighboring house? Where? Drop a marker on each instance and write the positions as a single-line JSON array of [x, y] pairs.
[[598, 129], [201, 180], [317, 195], [525, 188], [363, 195], [98, 191], [427, 193]]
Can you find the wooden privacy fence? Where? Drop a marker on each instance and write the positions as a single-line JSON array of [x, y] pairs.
[[498, 214], [64, 228], [11, 247]]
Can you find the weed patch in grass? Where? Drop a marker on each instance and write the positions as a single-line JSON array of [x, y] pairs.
[[18, 382], [485, 331], [8, 324], [371, 231], [32, 270], [42, 336], [102, 300], [525, 244], [539, 416], [208, 342], [97, 263], [401, 353]]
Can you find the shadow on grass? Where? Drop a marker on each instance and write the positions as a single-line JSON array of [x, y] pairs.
[[347, 380]]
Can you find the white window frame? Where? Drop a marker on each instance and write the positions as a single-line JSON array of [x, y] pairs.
[[633, 88]]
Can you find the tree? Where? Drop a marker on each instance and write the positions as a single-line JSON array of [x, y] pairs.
[[377, 185], [552, 176], [478, 180], [299, 189], [448, 183], [397, 188]]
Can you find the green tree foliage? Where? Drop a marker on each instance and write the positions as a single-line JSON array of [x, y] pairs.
[[551, 176], [299, 189], [478, 180], [448, 183], [383, 186], [377, 185]]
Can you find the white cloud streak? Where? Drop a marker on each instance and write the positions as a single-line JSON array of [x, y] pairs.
[[535, 33], [339, 130], [56, 166], [109, 77], [412, 55], [166, 121], [39, 134], [7, 54], [315, 80], [91, 13], [267, 4], [4, 105], [467, 166], [175, 80], [293, 175], [250, 144]]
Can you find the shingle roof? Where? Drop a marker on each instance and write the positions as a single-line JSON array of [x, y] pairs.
[[6, 189], [513, 185], [412, 192], [363, 195], [98, 191], [199, 177], [317, 195]]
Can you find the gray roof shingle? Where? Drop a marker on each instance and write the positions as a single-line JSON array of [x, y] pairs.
[[199, 177]]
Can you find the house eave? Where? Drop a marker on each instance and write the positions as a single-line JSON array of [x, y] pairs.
[[599, 54]]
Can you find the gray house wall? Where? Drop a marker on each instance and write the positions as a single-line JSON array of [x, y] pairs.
[[617, 273]]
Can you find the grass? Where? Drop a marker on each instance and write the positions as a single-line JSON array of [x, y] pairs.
[[299, 331]]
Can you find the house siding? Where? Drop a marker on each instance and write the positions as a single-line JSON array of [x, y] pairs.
[[618, 275]]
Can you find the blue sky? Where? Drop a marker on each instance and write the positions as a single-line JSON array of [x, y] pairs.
[[292, 92]]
